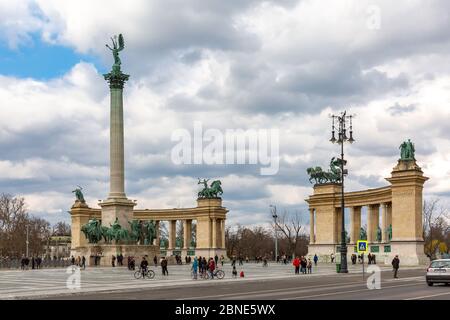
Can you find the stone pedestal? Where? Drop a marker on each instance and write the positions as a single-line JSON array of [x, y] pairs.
[[407, 182], [122, 209], [106, 251]]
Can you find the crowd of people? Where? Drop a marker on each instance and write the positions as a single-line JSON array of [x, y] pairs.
[[302, 265]]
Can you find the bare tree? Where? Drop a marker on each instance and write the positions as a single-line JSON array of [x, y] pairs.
[[61, 229], [292, 228], [435, 226]]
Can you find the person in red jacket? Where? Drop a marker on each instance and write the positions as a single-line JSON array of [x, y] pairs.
[[296, 264], [212, 267]]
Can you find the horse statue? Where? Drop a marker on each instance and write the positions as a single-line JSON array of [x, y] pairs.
[[213, 191], [150, 227], [135, 234], [317, 174], [331, 176], [92, 231], [117, 233]]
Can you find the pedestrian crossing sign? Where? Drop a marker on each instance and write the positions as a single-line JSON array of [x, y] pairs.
[[362, 246]]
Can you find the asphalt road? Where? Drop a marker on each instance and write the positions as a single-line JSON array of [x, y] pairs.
[[410, 286]]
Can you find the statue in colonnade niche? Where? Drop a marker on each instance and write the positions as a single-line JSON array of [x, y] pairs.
[[389, 232], [362, 234], [378, 234]]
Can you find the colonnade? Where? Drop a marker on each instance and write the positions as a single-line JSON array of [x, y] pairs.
[[373, 223]]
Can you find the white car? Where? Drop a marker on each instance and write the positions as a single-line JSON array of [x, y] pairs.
[[438, 272]]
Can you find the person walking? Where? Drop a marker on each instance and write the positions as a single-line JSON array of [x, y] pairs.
[[395, 265], [332, 257], [155, 261], [216, 259], [212, 267], [222, 258], [309, 266], [316, 258], [165, 272], [296, 264], [72, 260], [194, 268], [113, 260], [303, 263], [83, 262], [234, 272]]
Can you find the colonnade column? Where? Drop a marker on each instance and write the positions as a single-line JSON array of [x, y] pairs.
[[384, 222], [338, 225], [222, 227], [158, 233], [214, 233], [187, 236], [311, 226], [373, 221], [172, 233], [355, 223]]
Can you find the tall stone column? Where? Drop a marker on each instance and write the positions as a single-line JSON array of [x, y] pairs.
[[117, 205], [172, 234], [311, 225], [187, 234], [355, 222]]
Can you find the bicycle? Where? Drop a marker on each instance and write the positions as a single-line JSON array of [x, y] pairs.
[[147, 274]]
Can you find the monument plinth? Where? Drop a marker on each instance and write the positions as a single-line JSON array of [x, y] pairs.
[[407, 182]]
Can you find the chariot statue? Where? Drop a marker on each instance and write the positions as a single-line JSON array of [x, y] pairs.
[[213, 191], [333, 175]]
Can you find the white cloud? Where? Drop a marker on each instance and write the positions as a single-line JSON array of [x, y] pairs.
[[229, 65]]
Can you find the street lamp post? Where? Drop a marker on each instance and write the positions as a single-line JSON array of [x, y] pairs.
[[342, 120], [275, 216], [27, 239]]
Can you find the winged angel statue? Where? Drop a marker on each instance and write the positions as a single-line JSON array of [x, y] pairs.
[[118, 45]]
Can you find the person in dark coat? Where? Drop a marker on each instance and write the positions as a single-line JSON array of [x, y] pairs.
[[396, 265], [316, 258], [155, 260], [165, 272]]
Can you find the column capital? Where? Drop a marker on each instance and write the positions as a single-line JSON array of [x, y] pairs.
[[116, 79]]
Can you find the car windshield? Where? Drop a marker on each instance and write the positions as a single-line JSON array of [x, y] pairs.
[[440, 264]]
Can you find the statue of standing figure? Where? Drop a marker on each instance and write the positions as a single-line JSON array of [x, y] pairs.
[[379, 234], [407, 150]]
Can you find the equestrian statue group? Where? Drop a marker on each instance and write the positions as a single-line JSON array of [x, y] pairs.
[[331, 176], [141, 232]]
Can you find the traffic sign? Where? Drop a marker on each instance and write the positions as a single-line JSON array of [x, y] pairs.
[[362, 246]]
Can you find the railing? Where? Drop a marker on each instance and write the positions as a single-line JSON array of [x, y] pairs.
[[47, 263]]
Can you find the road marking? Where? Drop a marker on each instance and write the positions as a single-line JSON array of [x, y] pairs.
[[429, 296], [350, 291], [312, 287]]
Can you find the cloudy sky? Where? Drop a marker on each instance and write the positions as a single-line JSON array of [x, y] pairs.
[[232, 64]]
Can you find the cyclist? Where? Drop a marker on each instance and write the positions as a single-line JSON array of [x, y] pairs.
[[144, 265]]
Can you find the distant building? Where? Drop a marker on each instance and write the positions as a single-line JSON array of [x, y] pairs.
[[58, 246]]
